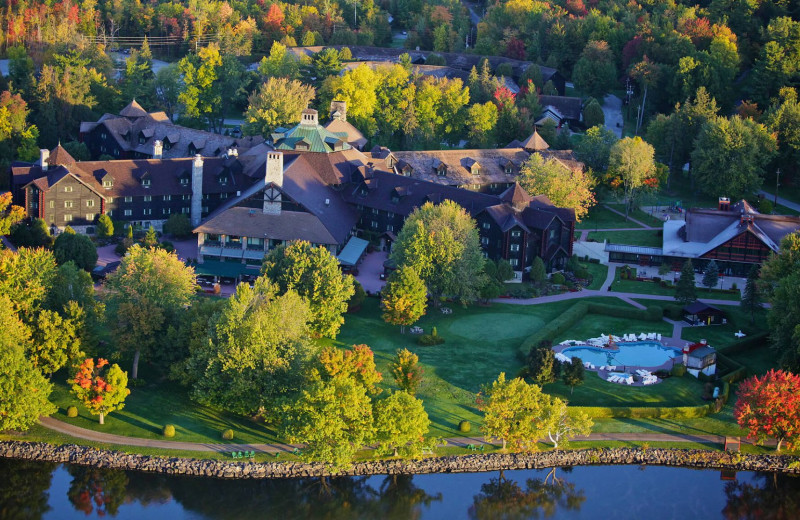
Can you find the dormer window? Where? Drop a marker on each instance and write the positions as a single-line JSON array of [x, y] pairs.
[[475, 169], [441, 170], [108, 183], [222, 179], [167, 145], [184, 181]]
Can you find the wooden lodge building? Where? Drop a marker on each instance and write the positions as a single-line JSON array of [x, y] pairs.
[[303, 183]]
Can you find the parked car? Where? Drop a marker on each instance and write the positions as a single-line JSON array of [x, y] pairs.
[[101, 271]]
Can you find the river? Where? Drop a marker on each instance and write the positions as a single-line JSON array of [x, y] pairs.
[[35, 490]]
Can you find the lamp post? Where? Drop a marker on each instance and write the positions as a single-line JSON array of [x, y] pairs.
[[777, 183]]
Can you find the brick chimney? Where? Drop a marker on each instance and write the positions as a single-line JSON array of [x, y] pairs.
[[724, 204], [44, 154], [158, 148], [197, 190], [274, 176]]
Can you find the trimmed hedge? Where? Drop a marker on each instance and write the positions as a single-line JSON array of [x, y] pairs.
[[748, 343], [646, 412], [555, 327], [673, 312], [652, 314]]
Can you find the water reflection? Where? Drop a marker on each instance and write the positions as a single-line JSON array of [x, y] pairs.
[[24, 489], [768, 496], [97, 490]]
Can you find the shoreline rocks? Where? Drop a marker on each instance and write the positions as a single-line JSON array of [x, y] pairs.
[[700, 459]]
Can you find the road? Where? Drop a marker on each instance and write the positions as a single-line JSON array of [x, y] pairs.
[[781, 202], [612, 110]]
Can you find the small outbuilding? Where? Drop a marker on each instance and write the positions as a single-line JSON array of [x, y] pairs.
[[700, 357], [699, 313]]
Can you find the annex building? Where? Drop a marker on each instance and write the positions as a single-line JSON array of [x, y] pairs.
[[309, 182]]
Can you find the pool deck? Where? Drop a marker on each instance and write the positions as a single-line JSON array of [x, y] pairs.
[[604, 372]]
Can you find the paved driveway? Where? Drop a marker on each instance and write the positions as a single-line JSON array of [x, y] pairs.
[[612, 110], [370, 270]]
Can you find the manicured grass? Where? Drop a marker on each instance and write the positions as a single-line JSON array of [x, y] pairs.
[[646, 237], [758, 361], [599, 273], [641, 216], [592, 325], [718, 336], [634, 286], [600, 217]]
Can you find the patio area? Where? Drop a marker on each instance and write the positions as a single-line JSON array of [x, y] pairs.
[[370, 270]]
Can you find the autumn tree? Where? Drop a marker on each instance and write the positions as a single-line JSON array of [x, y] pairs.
[[404, 298], [769, 406], [440, 242], [541, 364], [54, 342], [401, 424], [101, 388], [406, 371], [356, 364], [565, 425], [632, 167], [9, 214], [278, 102], [314, 273], [17, 137], [685, 290], [24, 389], [279, 64], [730, 156], [146, 294], [266, 333], [565, 187], [515, 412]]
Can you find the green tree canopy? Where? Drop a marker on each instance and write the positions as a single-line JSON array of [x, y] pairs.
[[313, 272], [401, 424], [77, 248], [406, 371], [685, 290], [565, 187], [440, 242], [631, 167], [595, 147], [279, 64], [404, 298], [595, 72], [781, 285], [278, 102]]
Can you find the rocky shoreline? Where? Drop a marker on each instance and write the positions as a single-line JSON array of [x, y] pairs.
[[701, 459]]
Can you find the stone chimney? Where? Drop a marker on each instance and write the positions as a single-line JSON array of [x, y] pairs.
[[339, 110], [44, 154], [724, 204], [197, 190], [158, 148], [274, 176], [309, 117]]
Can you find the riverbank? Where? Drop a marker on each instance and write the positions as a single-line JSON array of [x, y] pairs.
[[701, 459]]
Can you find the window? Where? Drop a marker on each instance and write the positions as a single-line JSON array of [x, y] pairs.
[[103, 135], [148, 198], [552, 234], [390, 228], [515, 247], [108, 183], [167, 197], [184, 210], [90, 217], [374, 224], [67, 203], [67, 218], [185, 197], [184, 181], [204, 209], [110, 213], [223, 195], [127, 213], [167, 145], [514, 262], [484, 241], [516, 234], [146, 183], [90, 203], [376, 211], [486, 225], [109, 199], [67, 189], [52, 204], [128, 199], [166, 211], [148, 211]]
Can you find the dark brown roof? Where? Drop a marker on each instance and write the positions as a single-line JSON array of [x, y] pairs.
[[133, 109], [59, 156], [460, 165], [287, 225], [534, 142], [568, 107], [516, 196]]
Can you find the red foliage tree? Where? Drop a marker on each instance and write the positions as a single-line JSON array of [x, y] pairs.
[[576, 7], [515, 48], [769, 406], [504, 98], [100, 391]]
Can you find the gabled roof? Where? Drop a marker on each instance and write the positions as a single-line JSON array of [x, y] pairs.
[[286, 225], [568, 107], [59, 156], [351, 134], [316, 137], [516, 196], [133, 110], [535, 142]]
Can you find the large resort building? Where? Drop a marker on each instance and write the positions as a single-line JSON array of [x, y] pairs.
[[309, 182]]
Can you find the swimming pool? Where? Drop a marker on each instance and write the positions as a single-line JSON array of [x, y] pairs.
[[638, 354]]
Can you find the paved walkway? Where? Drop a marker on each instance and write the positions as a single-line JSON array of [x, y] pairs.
[[631, 219], [108, 438], [781, 201], [612, 110]]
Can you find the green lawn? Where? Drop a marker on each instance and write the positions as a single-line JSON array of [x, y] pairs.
[[641, 216], [603, 218], [592, 325], [646, 237], [633, 286], [599, 273]]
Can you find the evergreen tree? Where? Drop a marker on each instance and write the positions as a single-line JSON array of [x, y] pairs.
[[711, 275], [542, 364], [574, 373], [751, 299], [685, 291], [538, 271]]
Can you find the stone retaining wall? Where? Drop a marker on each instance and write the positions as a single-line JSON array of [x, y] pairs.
[[75, 454]]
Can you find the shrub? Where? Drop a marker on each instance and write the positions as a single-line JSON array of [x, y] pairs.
[[227, 434], [169, 431], [765, 206], [167, 246], [734, 287], [178, 225], [582, 272], [679, 370], [464, 427], [72, 411], [673, 312], [557, 279], [431, 339], [594, 260], [357, 300]]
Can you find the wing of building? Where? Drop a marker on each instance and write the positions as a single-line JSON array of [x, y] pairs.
[[309, 182]]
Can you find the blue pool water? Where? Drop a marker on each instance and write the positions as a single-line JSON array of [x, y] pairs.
[[638, 354]]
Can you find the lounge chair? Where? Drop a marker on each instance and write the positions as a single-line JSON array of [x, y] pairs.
[[658, 337]]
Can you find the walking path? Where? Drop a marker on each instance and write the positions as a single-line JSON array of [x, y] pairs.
[[108, 438], [781, 202], [621, 214]]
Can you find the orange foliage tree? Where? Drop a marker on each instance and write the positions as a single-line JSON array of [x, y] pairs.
[[769, 406], [101, 391]]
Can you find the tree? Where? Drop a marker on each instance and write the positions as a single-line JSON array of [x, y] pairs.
[[564, 426], [17, 137], [542, 367], [406, 371], [9, 214], [769, 406], [685, 288], [150, 238], [404, 298], [515, 412], [72, 247], [574, 373], [178, 225], [356, 364], [440, 242], [324, 64], [203, 78], [24, 389], [593, 114], [781, 286], [55, 341], [784, 121], [333, 418], [538, 271], [711, 275], [279, 64], [26, 276], [730, 156], [101, 391], [168, 83], [31, 233], [595, 72], [315, 275], [401, 424], [105, 226], [481, 121], [278, 102], [72, 296], [146, 294], [252, 352], [631, 166], [565, 187], [751, 299]]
